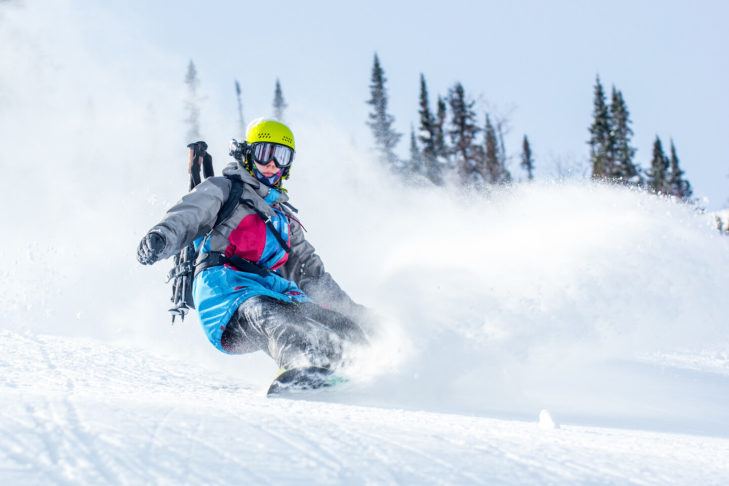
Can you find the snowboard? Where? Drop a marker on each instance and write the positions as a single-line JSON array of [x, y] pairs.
[[298, 380]]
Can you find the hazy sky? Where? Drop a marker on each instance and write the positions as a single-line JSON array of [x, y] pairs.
[[533, 62]]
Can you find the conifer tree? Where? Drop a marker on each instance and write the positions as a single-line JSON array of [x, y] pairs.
[[499, 126], [279, 104], [441, 148], [657, 176], [600, 137], [622, 152], [467, 153], [527, 162], [505, 175], [241, 120], [416, 164], [679, 186], [428, 137], [192, 103], [380, 121], [492, 160]]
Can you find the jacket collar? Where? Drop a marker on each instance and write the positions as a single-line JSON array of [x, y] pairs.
[[235, 170]]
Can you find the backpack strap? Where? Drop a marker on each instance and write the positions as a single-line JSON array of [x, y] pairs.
[[212, 259], [266, 219], [236, 191], [215, 259], [233, 199]]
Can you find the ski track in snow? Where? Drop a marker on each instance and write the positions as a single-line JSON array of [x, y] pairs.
[[78, 411]]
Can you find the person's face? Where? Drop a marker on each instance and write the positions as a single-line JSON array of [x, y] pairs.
[[268, 169]]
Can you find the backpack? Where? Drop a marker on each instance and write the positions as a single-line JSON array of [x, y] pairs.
[[184, 270]]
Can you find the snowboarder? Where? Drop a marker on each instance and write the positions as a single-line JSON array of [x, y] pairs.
[[259, 285]]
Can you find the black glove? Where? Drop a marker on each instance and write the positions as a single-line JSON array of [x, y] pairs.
[[150, 248]]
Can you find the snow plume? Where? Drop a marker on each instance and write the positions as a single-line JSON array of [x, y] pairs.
[[552, 295], [93, 153], [558, 296]]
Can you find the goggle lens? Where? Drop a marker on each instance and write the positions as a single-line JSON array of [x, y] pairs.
[[265, 152]]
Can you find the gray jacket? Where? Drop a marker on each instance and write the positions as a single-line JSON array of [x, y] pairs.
[[194, 216]]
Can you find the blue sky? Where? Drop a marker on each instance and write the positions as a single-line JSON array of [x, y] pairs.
[[532, 62]]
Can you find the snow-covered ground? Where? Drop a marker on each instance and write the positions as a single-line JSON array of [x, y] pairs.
[[576, 336], [78, 411]]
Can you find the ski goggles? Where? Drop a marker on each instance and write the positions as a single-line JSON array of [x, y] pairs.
[[265, 152]]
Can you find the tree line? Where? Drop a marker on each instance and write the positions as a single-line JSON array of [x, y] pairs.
[[453, 139], [453, 143], [450, 139], [613, 157]]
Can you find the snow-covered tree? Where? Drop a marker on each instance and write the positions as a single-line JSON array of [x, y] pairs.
[[416, 164], [279, 104], [623, 167], [494, 159], [192, 103], [600, 137], [428, 135], [241, 120], [439, 139], [678, 186], [380, 121], [527, 160], [491, 163], [467, 153], [658, 172]]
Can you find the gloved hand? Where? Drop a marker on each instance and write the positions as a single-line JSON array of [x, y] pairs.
[[150, 248]]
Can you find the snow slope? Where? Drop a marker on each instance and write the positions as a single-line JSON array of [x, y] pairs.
[[601, 305], [476, 358], [78, 411]]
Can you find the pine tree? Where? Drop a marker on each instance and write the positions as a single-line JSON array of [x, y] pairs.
[[505, 175], [657, 176], [600, 138], [241, 120], [679, 186], [492, 160], [622, 152], [380, 121], [279, 104], [416, 164], [192, 106], [467, 154], [428, 137], [527, 162], [439, 140]]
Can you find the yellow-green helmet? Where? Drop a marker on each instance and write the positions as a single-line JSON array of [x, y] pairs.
[[267, 130]]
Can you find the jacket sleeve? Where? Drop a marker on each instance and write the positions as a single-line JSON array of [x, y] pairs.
[[193, 216], [306, 269]]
